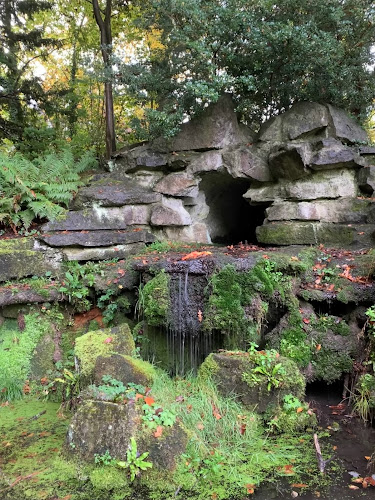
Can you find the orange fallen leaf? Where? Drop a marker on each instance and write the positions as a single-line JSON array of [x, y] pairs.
[[250, 488], [159, 431], [138, 396], [299, 409], [108, 340], [318, 347], [352, 487], [306, 321], [149, 400], [357, 480], [299, 485], [195, 255], [334, 448], [200, 316], [121, 271], [367, 458], [200, 426]]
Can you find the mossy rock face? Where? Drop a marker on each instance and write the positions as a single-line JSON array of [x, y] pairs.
[[165, 450], [42, 360], [99, 426], [231, 369], [104, 342], [125, 369], [19, 258]]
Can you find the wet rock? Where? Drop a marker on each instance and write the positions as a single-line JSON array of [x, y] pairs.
[[125, 369], [102, 253], [25, 295], [178, 185], [97, 238], [230, 371], [170, 213], [98, 218]]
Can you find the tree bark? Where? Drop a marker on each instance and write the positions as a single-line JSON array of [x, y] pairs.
[[104, 24]]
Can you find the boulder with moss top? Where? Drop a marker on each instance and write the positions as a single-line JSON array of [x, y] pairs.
[[125, 369]]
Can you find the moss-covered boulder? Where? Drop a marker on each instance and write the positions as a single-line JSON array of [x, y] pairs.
[[125, 369], [104, 342], [257, 379], [42, 360]]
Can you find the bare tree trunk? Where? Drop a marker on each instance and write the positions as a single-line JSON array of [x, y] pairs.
[[104, 24]]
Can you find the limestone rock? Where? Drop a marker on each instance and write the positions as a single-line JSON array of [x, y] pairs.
[[178, 185], [130, 159], [113, 193], [248, 162], [96, 238], [344, 127], [195, 233], [170, 213], [227, 370], [366, 179], [333, 154], [125, 369], [290, 161], [216, 128], [98, 218], [101, 253], [326, 184], [315, 233], [339, 211]]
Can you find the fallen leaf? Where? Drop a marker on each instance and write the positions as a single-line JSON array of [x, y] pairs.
[[138, 396], [195, 255], [352, 487], [306, 321], [108, 340], [159, 431], [45, 434], [200, 316], [367, 458], [242, 429], [299, 485], [200, 426], [299, 409], [318, 347], [357, 480], [121, 271], [149, 400], [250, 488]]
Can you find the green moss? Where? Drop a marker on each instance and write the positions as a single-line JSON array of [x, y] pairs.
[[154, 299], [208, 368], [91, 345], [329, 365], [143, 368], [110, 479]]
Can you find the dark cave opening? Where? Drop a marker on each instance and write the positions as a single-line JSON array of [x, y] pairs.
[[231, 218]]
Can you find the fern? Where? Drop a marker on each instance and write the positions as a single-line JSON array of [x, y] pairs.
[[38, 188]]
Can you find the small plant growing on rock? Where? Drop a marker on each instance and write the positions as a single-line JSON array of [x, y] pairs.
[[135, 462], [104, 459], [267, 368]]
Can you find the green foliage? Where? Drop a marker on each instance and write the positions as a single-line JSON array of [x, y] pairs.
[[291, 417], [38, 188], [267, 368], [370, 313], [364, 397], [104, 459], [115, 390], [134, 462], [154, 300], [268, 55], [155, 416]]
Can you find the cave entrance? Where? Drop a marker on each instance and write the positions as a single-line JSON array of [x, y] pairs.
[[231, 218]]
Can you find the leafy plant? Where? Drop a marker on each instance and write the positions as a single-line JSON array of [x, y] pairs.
[[135, 462], [38, 188], [104, 459], [153, 416], [116, 390], [267, 368], [364, 397]]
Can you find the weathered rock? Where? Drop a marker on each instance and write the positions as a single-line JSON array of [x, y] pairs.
[[42, 360], [21, 294], [327, 184], [98, 426], [248, 162], [290, 161], [178, 185], [216, 128], [182, 159], [98, 218], [303, 119], [210, 161], [125, 369], [196, 232], [333, 154], [315, 233], [366, 179], [165, 451], [230, 372], [344, 127], [368, 154], [23, 257], [170, 213], [96, 238], [114, 193], [141, 156], [104, 342], [342, 210], [101, 253]]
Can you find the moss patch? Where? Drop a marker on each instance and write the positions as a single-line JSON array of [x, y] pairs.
[[154, 299]]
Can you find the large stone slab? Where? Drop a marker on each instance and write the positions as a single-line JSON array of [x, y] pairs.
[[216, 128], [345, 127], [333, 155], [326, 184], [130, 159], [303, 119], [248, 162], [101, 253], [98, 218], [338, 211], [170, 213], [315, 233], [23, 257], [178, 184], [96, 238], [210, 161], [114, 193]]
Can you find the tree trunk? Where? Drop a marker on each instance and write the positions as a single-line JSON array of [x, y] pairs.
[[106, 48]]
